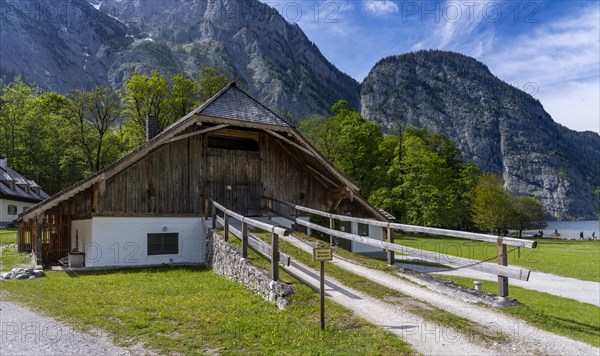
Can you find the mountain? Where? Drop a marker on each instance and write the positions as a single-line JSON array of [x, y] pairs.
[[78, 44], [499, 127], [59, 45]]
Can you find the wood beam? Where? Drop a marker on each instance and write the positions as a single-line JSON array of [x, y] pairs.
[[199, 132], [287, 140]]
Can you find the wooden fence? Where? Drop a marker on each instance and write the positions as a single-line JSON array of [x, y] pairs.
[[502, 270], [271, 252]]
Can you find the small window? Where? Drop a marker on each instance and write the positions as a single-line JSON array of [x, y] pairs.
[[163, 244], [25, 208], [12, 210], [363, 229]]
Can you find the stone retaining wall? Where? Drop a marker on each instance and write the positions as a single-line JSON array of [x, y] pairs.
[[227, 260]]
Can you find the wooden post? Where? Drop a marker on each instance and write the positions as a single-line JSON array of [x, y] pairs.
[[269, 208], [390, 254], [244, 239], [331, 226], [226, 223], [214, 217], [503, 261], [322, 294], [205, 208], [275, 257]]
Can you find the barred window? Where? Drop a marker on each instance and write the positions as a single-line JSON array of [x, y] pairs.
[[163, 244], [12, 210]]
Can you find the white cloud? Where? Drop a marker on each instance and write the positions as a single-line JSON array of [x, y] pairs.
[[563, 60], [380, 7], [458, 27]]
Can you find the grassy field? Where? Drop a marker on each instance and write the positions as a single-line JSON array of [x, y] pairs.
[[9, 257], [8, 236], [569, 258], [194, 311], [580, 321]]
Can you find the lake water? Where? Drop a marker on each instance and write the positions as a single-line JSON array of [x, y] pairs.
[[569, 229]]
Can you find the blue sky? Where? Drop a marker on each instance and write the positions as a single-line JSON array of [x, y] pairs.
[[551, 49]]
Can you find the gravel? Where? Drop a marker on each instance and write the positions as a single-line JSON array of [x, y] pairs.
[[23, 332]]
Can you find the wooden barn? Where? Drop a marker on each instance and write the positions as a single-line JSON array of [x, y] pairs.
[[147, 208]]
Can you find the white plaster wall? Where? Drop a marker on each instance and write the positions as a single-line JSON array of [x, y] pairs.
[[83, 230], [123, 241], [375, 232], [4, 203]]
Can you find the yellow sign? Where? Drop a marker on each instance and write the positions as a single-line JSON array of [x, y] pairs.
[[322, 254]]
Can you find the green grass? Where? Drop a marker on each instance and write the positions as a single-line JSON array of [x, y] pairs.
[[8, 236], [194, 311], [580, 321], [380, 292], [10, 258], [568, 258]]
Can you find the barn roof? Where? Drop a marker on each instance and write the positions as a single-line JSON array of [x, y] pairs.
[[230, 106], [235, 104]]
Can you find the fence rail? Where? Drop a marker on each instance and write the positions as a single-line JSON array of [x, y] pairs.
[[271, 252], [502, 270]]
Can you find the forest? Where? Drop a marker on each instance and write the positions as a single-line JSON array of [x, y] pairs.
[[418, 177]]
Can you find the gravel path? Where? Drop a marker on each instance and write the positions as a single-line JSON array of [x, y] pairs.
[[524, 338], [583, 291], [424, 336], [23, 332]]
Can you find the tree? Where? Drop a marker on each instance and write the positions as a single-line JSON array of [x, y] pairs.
[[145, 96], [528, 214], [349, 141], [492, 205], [15, 105], [210, 82], [184, 96], [93, 115]]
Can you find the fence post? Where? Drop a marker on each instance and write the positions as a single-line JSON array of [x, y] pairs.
[[269, 208], [205, 208], [275, 257], [226, 223], [390, 254], [331, 226], [244, 239], [214, 216], [503, 261]]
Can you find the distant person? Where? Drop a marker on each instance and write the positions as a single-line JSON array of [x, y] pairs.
[[581, 235], [556, 234], [593, 235], [541, 233]]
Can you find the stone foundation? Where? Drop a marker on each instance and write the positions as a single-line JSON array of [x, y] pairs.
[[227, 260]]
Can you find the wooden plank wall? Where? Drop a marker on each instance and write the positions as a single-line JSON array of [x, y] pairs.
[[286, 177], [173, 179]]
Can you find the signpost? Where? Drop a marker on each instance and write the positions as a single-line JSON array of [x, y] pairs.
[[322, 254]]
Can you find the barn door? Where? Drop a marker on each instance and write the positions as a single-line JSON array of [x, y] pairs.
[[234, 180]]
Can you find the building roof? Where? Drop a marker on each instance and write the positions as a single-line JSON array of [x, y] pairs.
[[230, 106], [16, 187], [235, 104]]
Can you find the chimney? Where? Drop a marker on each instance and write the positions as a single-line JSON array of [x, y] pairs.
[[151, 127], [3, 163]]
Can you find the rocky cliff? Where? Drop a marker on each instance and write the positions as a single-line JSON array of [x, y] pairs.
[[499, 127], [75, 44]]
